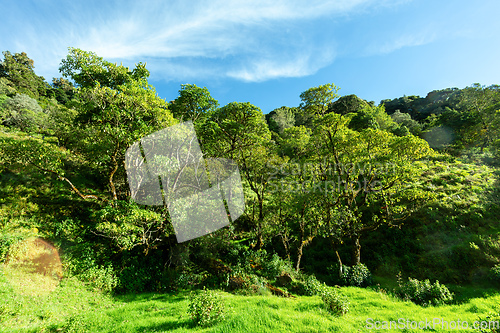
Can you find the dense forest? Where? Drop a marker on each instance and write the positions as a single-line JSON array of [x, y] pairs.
[[338, 190]]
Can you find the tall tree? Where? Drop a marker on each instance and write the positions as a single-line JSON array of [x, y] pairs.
[[194, 103], [481, 103], [238, 131], [365, 175], [281, 119], [18, 68], [117, 107], [315, 101]]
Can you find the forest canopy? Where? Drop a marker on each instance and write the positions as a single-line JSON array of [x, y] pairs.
[[333, 182]]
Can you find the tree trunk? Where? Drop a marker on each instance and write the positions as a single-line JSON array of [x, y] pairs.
[[299, 256], [334, 246], [356, 254], [260, 238], [341, 269]]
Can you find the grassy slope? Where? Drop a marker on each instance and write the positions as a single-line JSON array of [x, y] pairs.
[[72, 308]]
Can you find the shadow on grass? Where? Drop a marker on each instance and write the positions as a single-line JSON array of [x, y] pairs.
[[167, 297], [464, 294], [167, 326]]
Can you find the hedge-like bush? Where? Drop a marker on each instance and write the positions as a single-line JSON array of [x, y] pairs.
[[206, 308]]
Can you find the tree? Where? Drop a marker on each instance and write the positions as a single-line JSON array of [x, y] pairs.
[[63, 90], [280, 119], [294, 142], [194, 103], [481, 104], [87, 70], [372, 117], [19, 69], [404, 119], [348, 104], [23, 112], [365, 175], [317, 99], [116, 107], [238, 131]]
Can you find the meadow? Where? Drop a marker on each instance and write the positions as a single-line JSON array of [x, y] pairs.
[[73, 307]]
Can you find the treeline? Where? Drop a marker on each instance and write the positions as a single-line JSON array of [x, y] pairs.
[[327, 176]]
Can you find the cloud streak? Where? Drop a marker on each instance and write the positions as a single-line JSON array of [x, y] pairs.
[[250, 41]]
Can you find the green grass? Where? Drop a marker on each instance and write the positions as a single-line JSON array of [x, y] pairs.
[[73, 308]]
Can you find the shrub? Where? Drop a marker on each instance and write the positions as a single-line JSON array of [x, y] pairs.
[[6, 241], [493, 321], [23, 112], [98, 277], [205, 308], [80, 261], [357, 276], [423, 292], [307, 285], [494, 273], [334, 302], [275, 266]]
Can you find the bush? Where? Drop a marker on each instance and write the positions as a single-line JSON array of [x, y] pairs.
[[423, 292], [357, 276], [6, 241], [205, 308], [80, 261], [23, 112], [334, 302], [102, 278], [308, 286], [274, 266], [493, 320], [494, 273]]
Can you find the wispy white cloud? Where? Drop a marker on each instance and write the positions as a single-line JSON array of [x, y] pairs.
[[401, 41], [251, 41], [301, 64]]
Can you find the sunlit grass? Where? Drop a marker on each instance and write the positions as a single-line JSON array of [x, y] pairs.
[[72, 308]]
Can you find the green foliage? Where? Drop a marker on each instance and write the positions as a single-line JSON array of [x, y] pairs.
[[19, 70], [87, 69], [194, 103], [267, 265], [32, 151], [348, 104], [335, 303], [490, 322], [234, 130], [307, 285], [6, 241], [111, 106], [130, 225], [63, 90], [494, 274], [362, 120], [405, 121], [206, 308], [101, 278], [356, 276], [76, 324], [294, 141], [315, 101], [85, 264], [280, 119], [61, 124], [23, 112], [423, 292], [7, 89]]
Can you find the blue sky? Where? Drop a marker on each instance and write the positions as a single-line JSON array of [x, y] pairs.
[[268, 52]]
